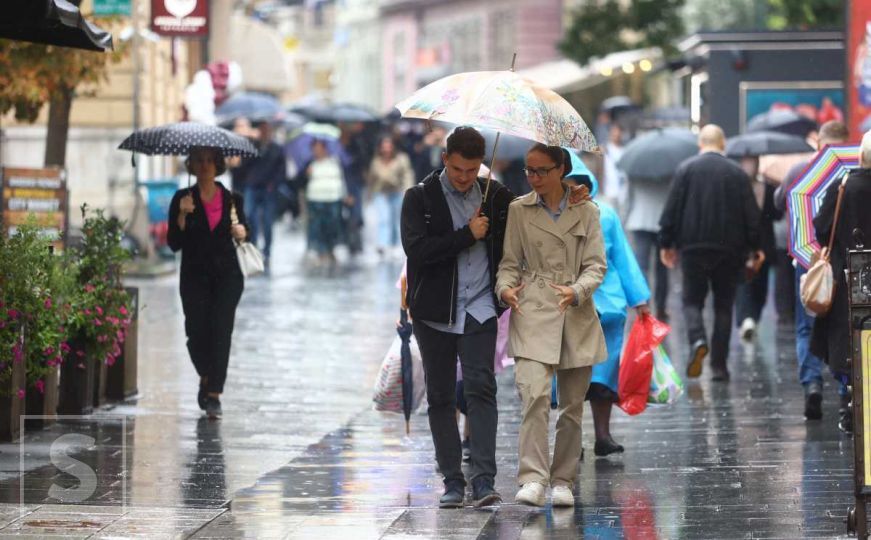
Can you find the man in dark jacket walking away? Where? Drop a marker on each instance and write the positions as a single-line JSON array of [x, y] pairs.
[[712, 218], [452, 237], [265, 173]]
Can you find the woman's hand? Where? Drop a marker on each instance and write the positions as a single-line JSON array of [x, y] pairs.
[[566, 294], [642, 310], [510, 298], [186, 204], [239, 232]]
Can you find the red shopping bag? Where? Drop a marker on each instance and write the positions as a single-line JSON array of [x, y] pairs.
[[636, 365]]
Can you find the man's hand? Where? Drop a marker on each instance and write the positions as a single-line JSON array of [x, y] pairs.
[[758, 261], [579, 194], [668, 257], [479, 225], [566, 294], [510, 298]]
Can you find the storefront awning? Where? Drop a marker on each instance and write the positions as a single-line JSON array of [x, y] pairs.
[[565, 76], [53, 22]]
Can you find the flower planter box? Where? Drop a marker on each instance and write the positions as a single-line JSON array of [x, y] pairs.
[[121, 381], [43, 403], [11, 405], [77, 377], [101, 374]]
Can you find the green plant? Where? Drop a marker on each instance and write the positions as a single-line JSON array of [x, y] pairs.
[[98, 307]]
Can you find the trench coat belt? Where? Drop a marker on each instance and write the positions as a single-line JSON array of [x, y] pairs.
[[541, 277]]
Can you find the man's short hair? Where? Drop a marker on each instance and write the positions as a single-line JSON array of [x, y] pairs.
[[833, 132], [865, 151], [466, 141]]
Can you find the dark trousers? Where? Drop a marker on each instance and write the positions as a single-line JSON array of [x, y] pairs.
[[439, 351], [645, 242], [719, 273], [260, 211], [784, 285], [209, 304], [751, 296]]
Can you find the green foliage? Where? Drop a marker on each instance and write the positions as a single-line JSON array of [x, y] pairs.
[[805, 14], [600, 28]]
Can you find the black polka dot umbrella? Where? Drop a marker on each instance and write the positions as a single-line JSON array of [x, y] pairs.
[[180, 138]]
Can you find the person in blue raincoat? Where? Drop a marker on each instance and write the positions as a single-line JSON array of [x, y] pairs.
[[624, 286]]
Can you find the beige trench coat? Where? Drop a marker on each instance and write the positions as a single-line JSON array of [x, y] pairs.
[[571, 252]]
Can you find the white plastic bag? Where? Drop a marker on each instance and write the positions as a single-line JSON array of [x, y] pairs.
[[665, 383], [388, 384]]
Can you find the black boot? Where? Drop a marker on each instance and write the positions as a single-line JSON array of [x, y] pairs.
[[455, 493], [813, 401], [483, 492]]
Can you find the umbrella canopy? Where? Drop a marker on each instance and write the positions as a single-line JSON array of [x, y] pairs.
[[657, 154], [782, 121], [405, 330], [252, 105], [180, 138], [351, 113], [763, 143], [502, 101], [299, 147], [617, 102], [53, 22], [805, 196]]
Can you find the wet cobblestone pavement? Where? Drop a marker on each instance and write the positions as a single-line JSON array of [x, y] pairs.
[[300, 454]]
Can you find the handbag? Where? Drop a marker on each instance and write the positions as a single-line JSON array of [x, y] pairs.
[[817, 287], [250, 258]]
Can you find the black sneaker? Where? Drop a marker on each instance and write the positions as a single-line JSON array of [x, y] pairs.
[[607, 447], [455, 493], [213, 407], [813, 401], [483, 492], [845, 413], [698, 352], [720, 374], [201, 398]]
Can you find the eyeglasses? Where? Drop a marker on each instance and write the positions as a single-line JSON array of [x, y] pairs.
[[540, 172]]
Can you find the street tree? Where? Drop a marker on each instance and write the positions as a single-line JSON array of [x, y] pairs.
[[33, 75], [602, 27]]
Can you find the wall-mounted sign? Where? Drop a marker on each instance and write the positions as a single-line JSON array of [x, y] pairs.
[[38, 194], [108, 8], [180, 18]]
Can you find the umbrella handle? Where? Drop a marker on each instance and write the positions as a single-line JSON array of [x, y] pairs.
[[490, 170]]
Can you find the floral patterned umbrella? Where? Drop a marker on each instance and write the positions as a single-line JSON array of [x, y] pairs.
[[502, 101]]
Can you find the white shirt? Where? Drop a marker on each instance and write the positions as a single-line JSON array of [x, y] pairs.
[[326, 181]]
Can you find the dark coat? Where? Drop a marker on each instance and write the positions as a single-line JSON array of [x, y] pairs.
[[205, 252], [831, 335], [268, 169], [711, 206], [432, 246]]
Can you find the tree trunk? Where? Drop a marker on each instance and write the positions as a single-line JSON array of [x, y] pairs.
[[58, 127]]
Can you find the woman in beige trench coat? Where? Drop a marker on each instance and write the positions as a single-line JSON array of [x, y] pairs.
[[553, 261]]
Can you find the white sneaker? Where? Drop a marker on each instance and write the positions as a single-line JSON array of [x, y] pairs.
[[748, 329], [532, 493], [562, 496]]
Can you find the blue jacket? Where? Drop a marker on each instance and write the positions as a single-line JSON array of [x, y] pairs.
[[624, 285]]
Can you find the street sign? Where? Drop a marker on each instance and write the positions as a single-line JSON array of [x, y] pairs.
[[108, 8], [180, 18], [39, 194]]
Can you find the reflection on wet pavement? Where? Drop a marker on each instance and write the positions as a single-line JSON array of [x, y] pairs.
[[300, 454]]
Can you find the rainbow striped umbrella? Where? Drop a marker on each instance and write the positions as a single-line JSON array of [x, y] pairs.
[[805, 196]]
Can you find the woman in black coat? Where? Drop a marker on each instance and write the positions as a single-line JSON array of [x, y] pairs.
[[211, 281], [831, 334]]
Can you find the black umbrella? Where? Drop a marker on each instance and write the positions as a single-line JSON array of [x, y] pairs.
[[783, 121], [335, 113], [252, 105], [657, 154], [764, 143], [53, 22], [404, 330], [180, 138]]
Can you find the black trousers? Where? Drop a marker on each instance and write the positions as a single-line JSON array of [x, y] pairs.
[[476, 349], [645, 242], [209, 304], [751, 296], [719, 273]]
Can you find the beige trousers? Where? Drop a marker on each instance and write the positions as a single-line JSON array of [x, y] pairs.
[[533, 380]]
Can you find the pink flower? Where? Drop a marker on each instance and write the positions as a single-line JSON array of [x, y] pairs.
[[80, 354], [80, 365], [122, 310], [120, 335], [2, 325], [47, 303], [17, 353], [90, 288], [13, 314], [98, 322], [40, 386], [20, 393], [87, 311], [48, 351], [99, 310], [64, 347], [116, 350]]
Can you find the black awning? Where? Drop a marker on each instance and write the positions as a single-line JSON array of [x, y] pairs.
[[53, 22]]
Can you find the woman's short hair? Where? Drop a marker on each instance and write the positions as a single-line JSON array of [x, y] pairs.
[[559, 155], [865, 151], [217, 157]]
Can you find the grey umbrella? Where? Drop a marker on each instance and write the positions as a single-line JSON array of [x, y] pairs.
[[765, 143], [657, 154], [783, 121], [180, 138]]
